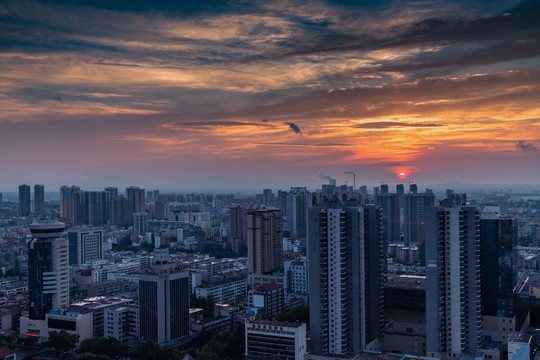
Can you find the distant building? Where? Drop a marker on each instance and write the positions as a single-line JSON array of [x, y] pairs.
[[163, 306], [229, 291], [297, 202], [415, 206], [67, 202], [271, 340], [139, 223], [136, 198], [39, 199], [390, 206], [265, 241], [90, 208], [119, 211], [24, 200], [238, 223], [85, 243]]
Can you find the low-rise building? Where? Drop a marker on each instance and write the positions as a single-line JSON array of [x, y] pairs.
[[275, 340], [74, 322], [229, 291], [121, 322]]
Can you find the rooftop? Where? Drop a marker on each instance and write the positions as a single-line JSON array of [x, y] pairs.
[[519, 338], [406, 281], [275, 323], [268, 287]]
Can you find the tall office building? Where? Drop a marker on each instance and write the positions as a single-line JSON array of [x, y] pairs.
[[238, 223], [90, 208], [48, 269], [85, 243], [136, 198], [66, 202], [112, 192], [161, 209], [498, 243], [120, 214], [389, 204], [39, 199], [139, 223], [269, 197], [265, 241], [24, 200], [414, 213], [346, 283], [163, 306], [453, 298], [297, 202]]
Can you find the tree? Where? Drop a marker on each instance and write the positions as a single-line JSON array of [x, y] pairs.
[[62, 340], [151, 351], [223, 346], [105, 346], [207, 304], [299, 313]]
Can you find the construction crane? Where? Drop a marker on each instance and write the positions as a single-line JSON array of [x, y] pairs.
[[354, 177]]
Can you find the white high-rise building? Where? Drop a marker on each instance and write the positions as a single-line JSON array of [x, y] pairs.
[[48, 268], [346, 262], [453, 297], [48, 281], [85, 243]]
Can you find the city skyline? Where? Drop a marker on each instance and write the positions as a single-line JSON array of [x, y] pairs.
[[228, 95]]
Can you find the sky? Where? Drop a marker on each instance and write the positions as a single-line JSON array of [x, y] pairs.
[[239, 95]]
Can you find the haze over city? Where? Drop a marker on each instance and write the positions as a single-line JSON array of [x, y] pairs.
[[234, 95]]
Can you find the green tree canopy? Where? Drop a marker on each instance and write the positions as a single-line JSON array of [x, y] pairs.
[[151, 351], [105, 346], [62, 340]]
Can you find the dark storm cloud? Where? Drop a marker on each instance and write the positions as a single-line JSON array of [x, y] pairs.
[[203, 123], [526, 146], [393, 124], [293, 127], [426, 94], [306, 144]]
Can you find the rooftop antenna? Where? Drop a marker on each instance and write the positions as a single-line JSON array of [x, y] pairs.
[[354, 178]]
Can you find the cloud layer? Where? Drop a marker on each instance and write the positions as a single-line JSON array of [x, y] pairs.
[[173, 91]]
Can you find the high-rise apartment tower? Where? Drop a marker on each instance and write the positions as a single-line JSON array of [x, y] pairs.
[[346, 262]]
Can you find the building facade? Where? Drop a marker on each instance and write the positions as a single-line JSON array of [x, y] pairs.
[[346, 283], [265, 241], [163, 306], [24, 200], [453, 297], [85, 243], [48, 269], [275, 340], [39, 199]]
